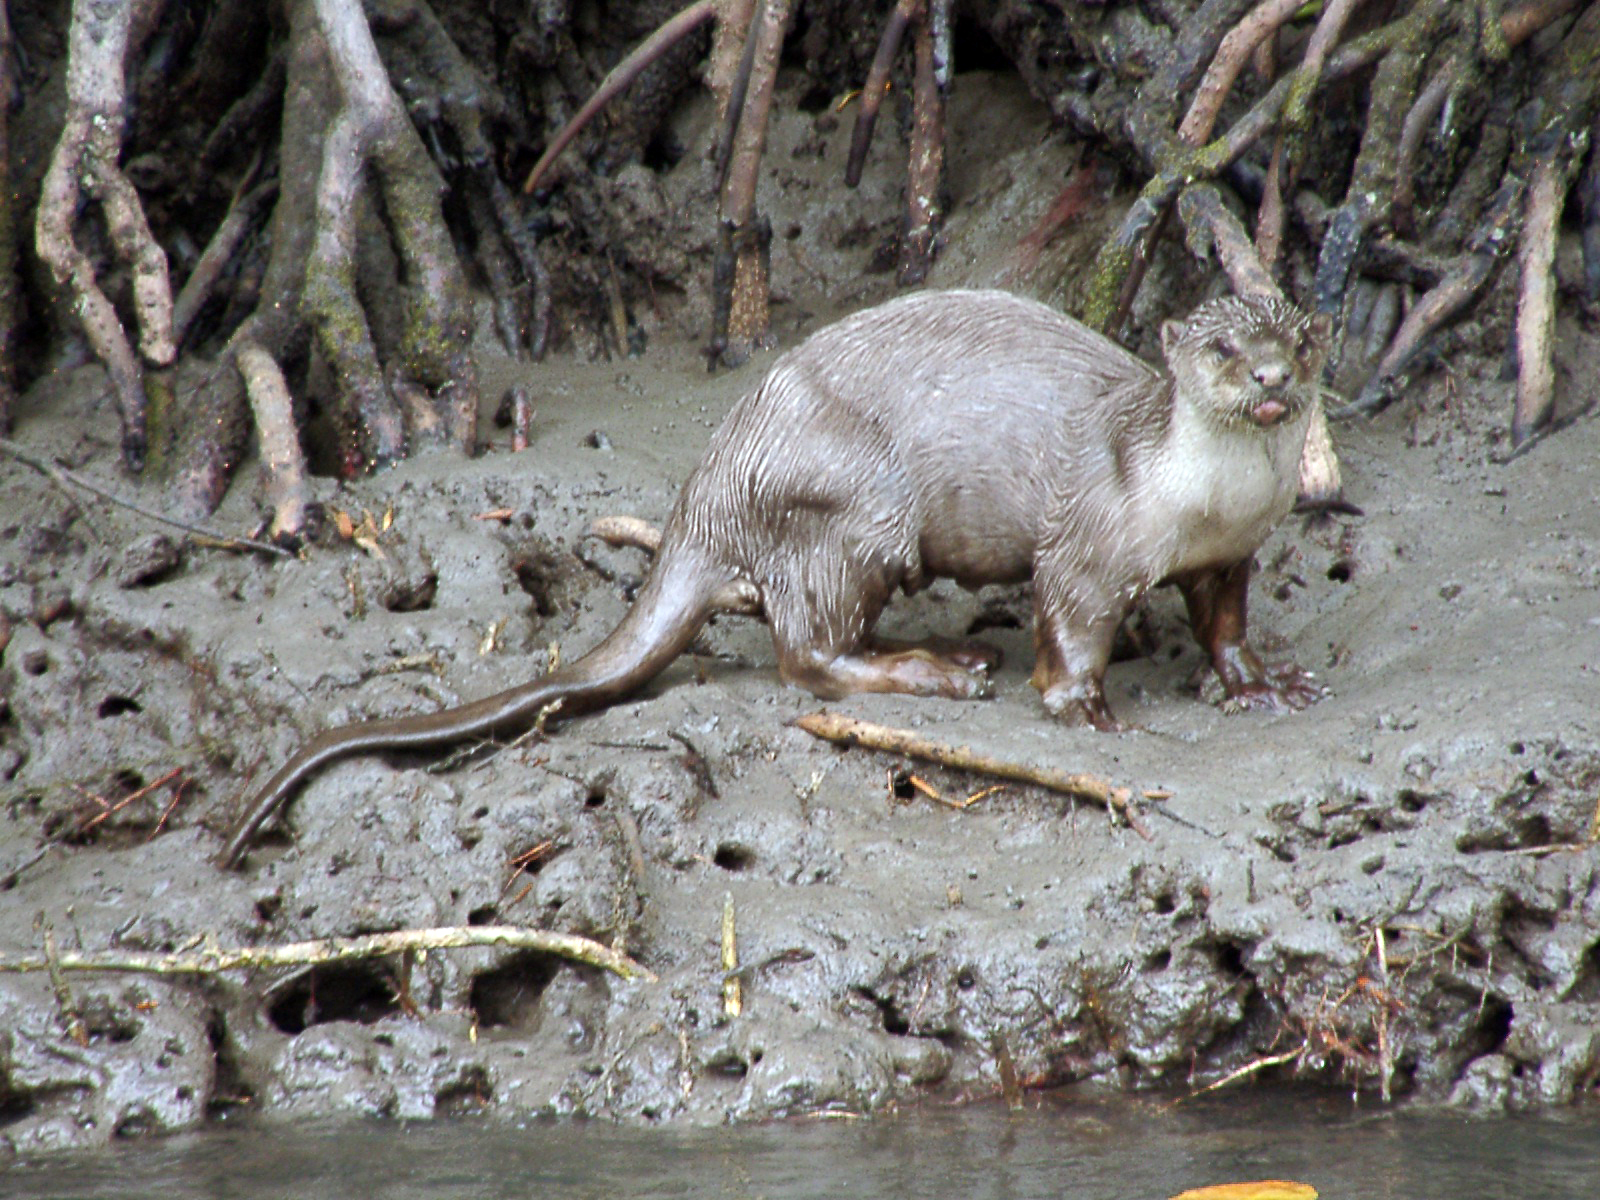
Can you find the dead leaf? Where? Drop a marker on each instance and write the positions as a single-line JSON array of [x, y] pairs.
[[1264, 1189]]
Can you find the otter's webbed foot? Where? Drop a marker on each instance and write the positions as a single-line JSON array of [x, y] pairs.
[[1263, 687]]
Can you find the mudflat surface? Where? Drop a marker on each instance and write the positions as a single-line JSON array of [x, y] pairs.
[[1400, 881]]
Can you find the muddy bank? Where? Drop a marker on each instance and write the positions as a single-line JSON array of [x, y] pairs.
[[1399, 884]]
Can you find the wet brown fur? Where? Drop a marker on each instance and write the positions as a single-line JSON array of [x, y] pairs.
[[972, 435]]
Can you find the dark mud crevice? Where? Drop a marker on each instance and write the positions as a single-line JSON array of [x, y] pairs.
[[359, 992], [509, 997]]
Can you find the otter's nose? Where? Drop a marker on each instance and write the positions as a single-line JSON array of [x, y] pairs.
[[1272, 375]]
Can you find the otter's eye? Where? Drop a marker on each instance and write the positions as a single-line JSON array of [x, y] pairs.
[[1224, 349], [1307, 347]]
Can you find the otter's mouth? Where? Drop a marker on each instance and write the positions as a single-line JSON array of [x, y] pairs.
[[1269, 412]]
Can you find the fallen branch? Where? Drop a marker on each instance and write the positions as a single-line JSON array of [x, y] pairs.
[[64, 478], [209, 958], [848, 731]]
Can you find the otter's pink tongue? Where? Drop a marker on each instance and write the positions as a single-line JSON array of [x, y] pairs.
[[1269, 412]]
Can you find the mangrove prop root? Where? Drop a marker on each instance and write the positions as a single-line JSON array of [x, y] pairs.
[[210, 958], [734, 90], [281, 459], [8, 241], [1237, 46], [1536, 300], [1588, 192], [1371, 187], [218, 254], [927, 150], [848, 731], [749, 237], [670, 33], [876, 86], [1460, 283], [85, 158], [334, 307]]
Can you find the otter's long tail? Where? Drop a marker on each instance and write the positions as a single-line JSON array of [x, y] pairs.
[[681, 593]]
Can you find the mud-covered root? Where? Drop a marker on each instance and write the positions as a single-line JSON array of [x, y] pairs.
[[1588, 192], [929, 24], [372, 129], [925, 172], [86, 159], [1462, 281], [741, 274]]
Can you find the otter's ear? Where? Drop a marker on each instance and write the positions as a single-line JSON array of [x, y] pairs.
[[1322, 327], [1171, 331]]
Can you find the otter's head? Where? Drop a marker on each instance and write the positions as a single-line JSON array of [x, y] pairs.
[[1248, 361]]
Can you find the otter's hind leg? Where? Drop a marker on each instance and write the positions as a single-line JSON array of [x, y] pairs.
[[820, 627]]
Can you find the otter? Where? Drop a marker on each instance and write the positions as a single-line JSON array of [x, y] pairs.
[[973, 435]]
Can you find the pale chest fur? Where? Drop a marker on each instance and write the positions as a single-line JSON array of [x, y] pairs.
[[1213, 493]]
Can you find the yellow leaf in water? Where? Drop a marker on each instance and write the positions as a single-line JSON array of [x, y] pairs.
[[1264, 1189]]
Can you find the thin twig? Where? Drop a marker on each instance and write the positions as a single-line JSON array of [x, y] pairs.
[[209, 958], [63, 477], [670, 33], [850, 732]]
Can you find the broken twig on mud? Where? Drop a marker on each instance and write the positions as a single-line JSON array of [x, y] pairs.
[[65, 478], [848, 731], [207, 957]]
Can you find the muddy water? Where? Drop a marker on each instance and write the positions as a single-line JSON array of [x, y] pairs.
[[1057, 1149]]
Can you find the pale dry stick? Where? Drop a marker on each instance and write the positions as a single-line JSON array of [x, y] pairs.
[[65, 1001], [671, 31], [281, 459], [1271, 212], [65, 479], [732, 987], [1385, 1054], [727, 48], [849, 731], [85, 159], [1244, 1072], [1536, 299], [1229, 61], [211, 958]]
